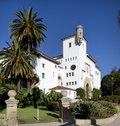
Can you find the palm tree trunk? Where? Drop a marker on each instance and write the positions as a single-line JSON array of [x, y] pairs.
[[28, 52], [18, 85]]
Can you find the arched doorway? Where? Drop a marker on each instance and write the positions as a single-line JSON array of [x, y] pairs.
[[87, 87], [87, 91]]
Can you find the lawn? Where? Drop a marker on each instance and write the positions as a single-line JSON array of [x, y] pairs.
[[29, 115], [117, 107]]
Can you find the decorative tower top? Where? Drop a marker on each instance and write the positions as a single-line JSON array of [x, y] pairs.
[[79, 34]]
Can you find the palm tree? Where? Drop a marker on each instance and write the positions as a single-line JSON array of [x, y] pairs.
[[16, 64], [27, 29]]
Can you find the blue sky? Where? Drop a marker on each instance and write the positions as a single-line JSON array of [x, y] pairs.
[[99, 19]]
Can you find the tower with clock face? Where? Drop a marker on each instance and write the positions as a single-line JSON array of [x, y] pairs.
[[80, 68], [74, 56]]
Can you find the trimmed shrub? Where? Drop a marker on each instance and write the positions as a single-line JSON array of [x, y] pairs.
[[81, 93], [96, 93]]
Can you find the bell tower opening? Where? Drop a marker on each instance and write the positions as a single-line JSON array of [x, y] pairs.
[[87, 88]]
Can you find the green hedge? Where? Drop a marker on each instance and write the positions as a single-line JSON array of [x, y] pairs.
[[90, 110], [81, 93], [96, 93]]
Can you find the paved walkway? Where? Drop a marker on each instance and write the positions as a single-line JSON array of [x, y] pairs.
[[114, 123], [48, 124], [42, 124]]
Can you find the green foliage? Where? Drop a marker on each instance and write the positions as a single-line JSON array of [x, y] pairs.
[[3, 94], [53, 96], [53, 106], [96, 93], [16, 63], [3, 120], [110, 84], [114, 98], [102, 109], [81, 92], [52, 100], [80, 110], [27, 29], [90, 110], [24, 97], [31, 96], [106, 85]]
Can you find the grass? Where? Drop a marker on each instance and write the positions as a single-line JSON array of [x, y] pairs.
[[29, 115], [117, 106]]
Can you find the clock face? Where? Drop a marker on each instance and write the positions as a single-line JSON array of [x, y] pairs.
[[73, 67]]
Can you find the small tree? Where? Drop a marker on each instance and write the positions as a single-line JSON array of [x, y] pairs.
[[81, 92]]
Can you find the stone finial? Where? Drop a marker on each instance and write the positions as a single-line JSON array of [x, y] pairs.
[[64, 93], [12, 94]]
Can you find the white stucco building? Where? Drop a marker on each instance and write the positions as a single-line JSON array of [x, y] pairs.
[[74, 69]]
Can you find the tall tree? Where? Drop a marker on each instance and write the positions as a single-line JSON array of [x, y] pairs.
[[28, 29], [110, 84], [16, 64]]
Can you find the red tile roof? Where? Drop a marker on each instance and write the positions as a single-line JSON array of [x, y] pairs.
[[61, 88]]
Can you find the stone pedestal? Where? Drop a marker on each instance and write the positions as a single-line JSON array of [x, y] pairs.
[[64, 104], [12, 109]]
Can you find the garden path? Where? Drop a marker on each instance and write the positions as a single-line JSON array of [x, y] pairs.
[[114, 123]]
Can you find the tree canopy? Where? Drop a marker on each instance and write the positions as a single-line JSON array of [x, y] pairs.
[[27, 29], [110, 84]]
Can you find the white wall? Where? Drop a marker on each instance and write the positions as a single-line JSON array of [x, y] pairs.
[[51, 72]]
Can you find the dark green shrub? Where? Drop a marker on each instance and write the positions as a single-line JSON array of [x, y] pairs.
[[81, 110], [4, 94], [96, 93], [52, 100], [30, 96], [53, 106], [24, 98], [81, 93]]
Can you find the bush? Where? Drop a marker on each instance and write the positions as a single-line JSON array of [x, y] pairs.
[[52, 100], [53, 106], [30, 96], [81, 110], [24, 98], [102, 109], [98, 109], [96, 93], [3, 94], [81, 92]]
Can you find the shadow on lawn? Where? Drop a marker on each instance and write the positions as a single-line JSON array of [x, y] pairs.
[[53, 115]]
